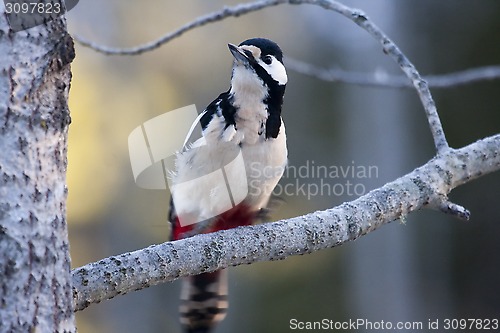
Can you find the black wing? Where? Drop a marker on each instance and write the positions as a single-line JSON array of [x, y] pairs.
[[221, 106]]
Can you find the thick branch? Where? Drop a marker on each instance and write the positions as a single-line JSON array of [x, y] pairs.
[[426, 186]]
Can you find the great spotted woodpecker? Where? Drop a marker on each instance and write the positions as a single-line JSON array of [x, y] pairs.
[[246, 119]]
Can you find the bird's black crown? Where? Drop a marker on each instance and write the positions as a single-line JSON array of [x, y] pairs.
[[266, 46]]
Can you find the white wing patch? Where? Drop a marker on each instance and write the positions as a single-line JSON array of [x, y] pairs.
[[193, 126]]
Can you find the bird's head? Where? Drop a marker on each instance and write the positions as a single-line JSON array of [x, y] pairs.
[[258, 61]]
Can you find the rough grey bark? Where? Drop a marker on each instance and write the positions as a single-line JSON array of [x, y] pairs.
[[35, 290], [426, 186]]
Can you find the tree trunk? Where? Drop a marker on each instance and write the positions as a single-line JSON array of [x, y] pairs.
[[35, 289]]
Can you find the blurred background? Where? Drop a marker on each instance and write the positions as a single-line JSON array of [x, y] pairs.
[[429, 267]]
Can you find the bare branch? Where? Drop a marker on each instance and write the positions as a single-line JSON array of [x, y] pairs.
[[384, 80], [464, 77], [391, 49], [377, 79], [199, 22], [455, 210], [426, 186]]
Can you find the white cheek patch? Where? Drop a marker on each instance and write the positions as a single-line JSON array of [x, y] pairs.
[[276, 70]]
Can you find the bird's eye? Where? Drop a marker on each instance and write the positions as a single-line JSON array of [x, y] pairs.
[[267, 59]]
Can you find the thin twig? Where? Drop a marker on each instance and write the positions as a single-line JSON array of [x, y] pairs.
[[225, 12], [377, 79], [385, 80]]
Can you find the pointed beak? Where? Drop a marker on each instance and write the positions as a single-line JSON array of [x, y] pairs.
[[238, 54]]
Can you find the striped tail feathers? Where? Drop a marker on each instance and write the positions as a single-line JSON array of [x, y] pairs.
[[204, 301], [204, 297]]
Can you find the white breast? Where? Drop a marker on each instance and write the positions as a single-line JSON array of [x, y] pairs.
[[204, 190], [265, 162]]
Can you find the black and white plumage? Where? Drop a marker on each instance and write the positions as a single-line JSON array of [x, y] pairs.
[[244, 120]]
